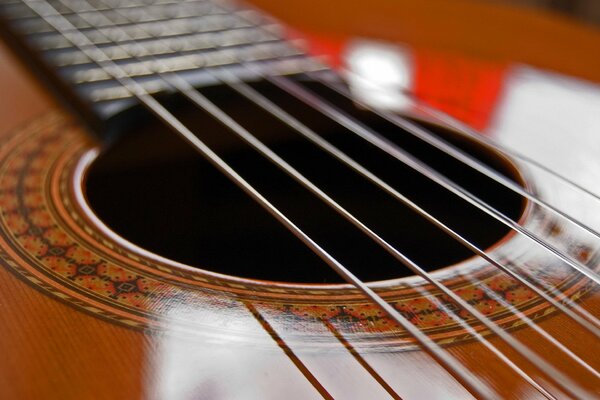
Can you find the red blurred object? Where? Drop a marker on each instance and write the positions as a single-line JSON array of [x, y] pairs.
[[468, 89]]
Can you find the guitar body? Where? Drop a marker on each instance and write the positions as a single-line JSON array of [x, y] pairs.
[[86, 314]]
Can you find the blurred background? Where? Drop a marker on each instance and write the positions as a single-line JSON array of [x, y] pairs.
[[559, 35], [586, 10]]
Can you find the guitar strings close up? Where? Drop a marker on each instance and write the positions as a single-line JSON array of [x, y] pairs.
[[582, 317]]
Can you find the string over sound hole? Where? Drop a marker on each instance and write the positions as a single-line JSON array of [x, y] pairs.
[[156, 192]]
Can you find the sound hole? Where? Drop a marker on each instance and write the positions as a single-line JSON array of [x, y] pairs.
[[155, 191]]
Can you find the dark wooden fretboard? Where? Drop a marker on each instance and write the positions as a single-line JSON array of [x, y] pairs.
[[187, 37]]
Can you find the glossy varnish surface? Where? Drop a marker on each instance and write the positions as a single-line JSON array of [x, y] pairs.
[[52, 349], [68, 355]]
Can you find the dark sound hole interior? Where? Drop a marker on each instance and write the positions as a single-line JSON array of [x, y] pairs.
[[155, 191]]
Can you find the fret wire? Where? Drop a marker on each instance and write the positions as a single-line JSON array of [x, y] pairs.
[[210, 23], [47, 30], [194, 60], [469, 160], [184, 87], [448, 361], [184, 44], [81, 22], [121, 5], [37, 25], [124, 6], [414, 163], [102, 93], [287, 66]]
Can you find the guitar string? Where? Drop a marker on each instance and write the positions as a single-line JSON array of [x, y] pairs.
[[529, 322], [574, 263], [272, 107], [331, 326], [266, 104], [376, 139], [291, 121], [527, 378], [481, 339], [467, 130], [583, 312], [449, 120], [515, 225], [289, 352], [444, 145], [227, 121], [464, 157], [449, 362], [475, 135], [321, 105], [201, 101], [566, 299], [549, 288]]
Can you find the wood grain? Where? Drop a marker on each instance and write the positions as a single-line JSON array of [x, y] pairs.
[[49, 349]]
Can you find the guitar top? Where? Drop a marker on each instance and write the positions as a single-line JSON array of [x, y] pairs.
[[198, 201]]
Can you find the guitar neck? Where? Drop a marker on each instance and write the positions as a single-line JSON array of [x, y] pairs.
[[188, 37]]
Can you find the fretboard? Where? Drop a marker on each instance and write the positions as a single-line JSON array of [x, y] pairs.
[[188, 37]]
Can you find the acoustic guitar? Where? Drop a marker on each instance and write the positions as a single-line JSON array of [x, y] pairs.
[[199, 202]]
